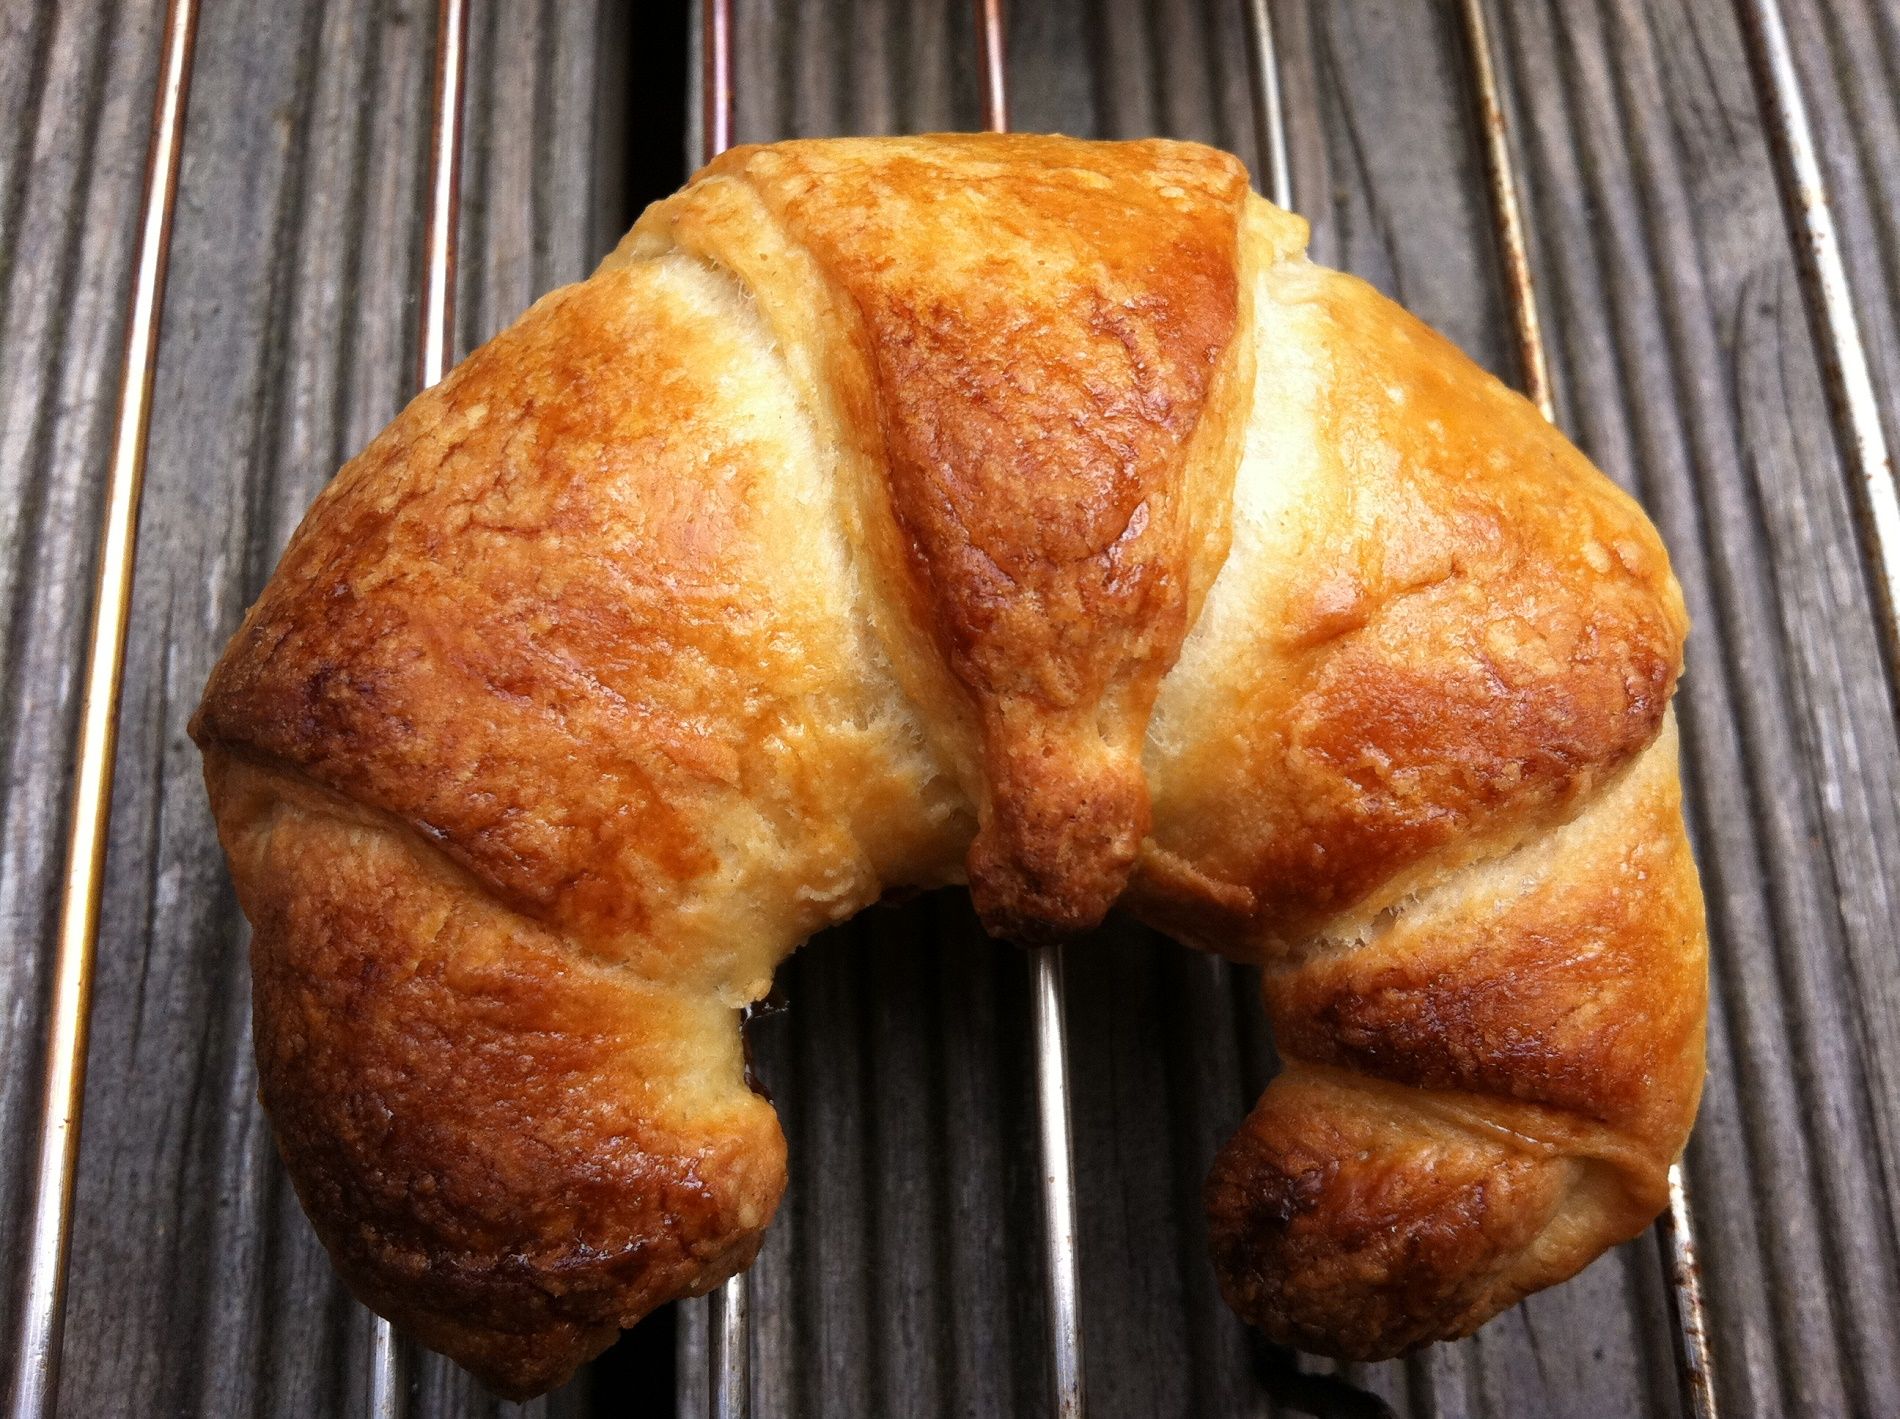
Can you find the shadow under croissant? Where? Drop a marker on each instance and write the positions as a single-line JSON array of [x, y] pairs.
[[1328, 1396], [633, 1379]]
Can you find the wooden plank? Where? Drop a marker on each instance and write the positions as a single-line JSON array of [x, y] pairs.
[[75, 116], [1848, 52], [195, 1284]]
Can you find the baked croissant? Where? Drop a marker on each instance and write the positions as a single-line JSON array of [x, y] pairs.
[[1013, 510]]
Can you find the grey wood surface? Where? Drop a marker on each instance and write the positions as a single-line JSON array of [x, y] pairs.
[[903, 1274]]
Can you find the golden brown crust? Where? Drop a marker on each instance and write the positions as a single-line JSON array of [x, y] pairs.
[[1479, 1098], [1567, 974], [560, 625], [1441, 630], [1344, 1225], [509, 1149], [1414, 758], [1044, 324], [890, 508]]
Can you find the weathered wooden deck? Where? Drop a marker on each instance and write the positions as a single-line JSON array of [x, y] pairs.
[[902, 1275]]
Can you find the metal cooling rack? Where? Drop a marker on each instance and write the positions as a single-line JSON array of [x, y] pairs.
[[1849, 382]]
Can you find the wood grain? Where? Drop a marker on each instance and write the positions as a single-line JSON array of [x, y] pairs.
[[195, 1286], [75, 104], [1848, 52], [902, 1276]]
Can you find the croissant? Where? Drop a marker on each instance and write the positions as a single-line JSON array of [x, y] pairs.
[[1016, 511]]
